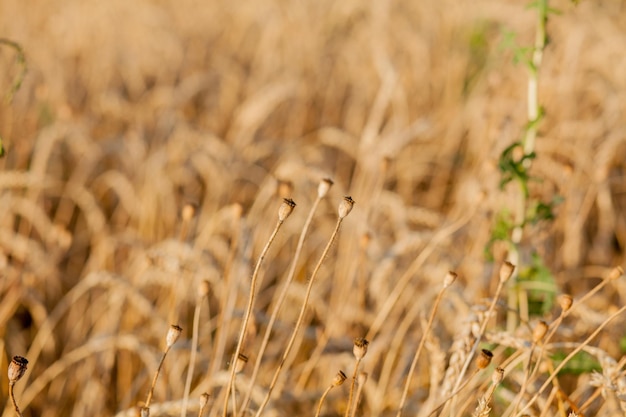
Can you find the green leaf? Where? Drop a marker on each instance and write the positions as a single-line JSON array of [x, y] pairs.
[[581, 363], [540, 285]]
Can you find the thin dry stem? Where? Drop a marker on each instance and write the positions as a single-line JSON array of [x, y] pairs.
[[13, 401], [300, 319], [580, 347], [192, 357], [409, 376], [249, 307], [283, 294]]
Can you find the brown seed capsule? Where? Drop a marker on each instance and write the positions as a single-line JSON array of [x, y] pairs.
[[566, 301], [345, 207], [360, 347], [506, 271], [17, 368], [324, 187], [616, 273], [339, 379], [449, 279], [144, 411], [172, 335], [241, 362], [540, 331], [484, 359], [286, 209]]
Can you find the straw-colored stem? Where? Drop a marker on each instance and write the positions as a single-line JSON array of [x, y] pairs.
[[483, 326], [300, 319], [409, 376], [568, 358], [279, 303], [322, 399], [156, 376], [359, 392], [453, 394], [527, 374], [352, 384], [12, 395], [192, 357], [246, 317]]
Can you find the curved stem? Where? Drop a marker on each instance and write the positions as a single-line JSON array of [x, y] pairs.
[[405, 392], [319, 406], [279, 303], [192, 357], [356, 370], [246, 318], [12, 395], [299, 321], [154, 379], [580, 347]]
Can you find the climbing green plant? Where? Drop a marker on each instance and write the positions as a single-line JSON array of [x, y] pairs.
[[515, 164]]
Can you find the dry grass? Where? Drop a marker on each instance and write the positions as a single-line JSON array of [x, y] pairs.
[[130, 110]]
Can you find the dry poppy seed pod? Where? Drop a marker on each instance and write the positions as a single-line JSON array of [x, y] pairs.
[[241, 362], [172, 335], [204, 288], [17, 368], [285, 209], [484, 359], [616, 273], [188, 212], [204, 400], [360, 347], [449, 279], [540, 331], [324, 187], [345, 207], [566, 301], [339, 379], [506, 271], [497, 376]]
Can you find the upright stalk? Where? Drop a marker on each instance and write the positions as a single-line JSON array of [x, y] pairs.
[[344, 209], [284, 211], [322, 190]]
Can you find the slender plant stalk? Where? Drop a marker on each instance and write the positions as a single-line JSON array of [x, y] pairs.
[[12, 395], [359, 391], [155, 377], [192, 357], [506, 271], [284, 211], [172, 336], [538, 334], [343, 212], [322, 399], [352, 384], [453, 394], [528, 146], [322, 191], [450, 277]]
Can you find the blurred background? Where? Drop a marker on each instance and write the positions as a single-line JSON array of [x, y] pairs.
[[130, 110]]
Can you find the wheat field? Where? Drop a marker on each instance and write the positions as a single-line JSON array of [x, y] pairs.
[[149, 147]]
